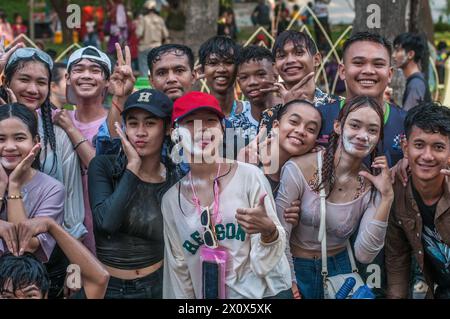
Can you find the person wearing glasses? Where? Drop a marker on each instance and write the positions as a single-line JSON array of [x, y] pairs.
[[221, 205], [125, 195], [26, 79]]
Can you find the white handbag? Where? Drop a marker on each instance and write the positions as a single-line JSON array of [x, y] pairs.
[[331, 285]]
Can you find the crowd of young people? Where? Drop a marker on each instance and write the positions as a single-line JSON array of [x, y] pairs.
[[175, 193]]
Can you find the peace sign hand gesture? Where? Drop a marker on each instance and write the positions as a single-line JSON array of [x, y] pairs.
[[4, 56], [122, 80], [302, 90]]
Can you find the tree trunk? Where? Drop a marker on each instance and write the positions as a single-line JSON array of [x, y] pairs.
[[392, 23], [421, 22], [421, 19], [60, 8], [201, 22], [392, 17]]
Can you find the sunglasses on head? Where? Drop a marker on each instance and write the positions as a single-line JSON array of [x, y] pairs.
[[25, 53], [209, 235]]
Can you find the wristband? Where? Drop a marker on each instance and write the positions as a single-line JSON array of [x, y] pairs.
[[116, 106], [79, 143]]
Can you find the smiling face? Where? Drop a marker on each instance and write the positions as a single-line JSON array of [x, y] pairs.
[[172, 75], [361, 131], [16, 142], [30, 84], [293, 63], [220, 73], [201, 134], [427, 153], [366, 69], [254, 75], [298, 128], [87, 78], [144, 131]]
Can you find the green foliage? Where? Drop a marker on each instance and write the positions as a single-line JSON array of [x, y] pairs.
[[11, 7], [441, 27]]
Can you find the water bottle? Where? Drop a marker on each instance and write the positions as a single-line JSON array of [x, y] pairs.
[[363, 292], [348, 285]]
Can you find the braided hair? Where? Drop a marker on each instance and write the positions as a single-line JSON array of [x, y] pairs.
[[328, 167], [46, 108]]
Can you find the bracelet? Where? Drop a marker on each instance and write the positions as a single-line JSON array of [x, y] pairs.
[[14, 196], [116, 106], [79, 143], [271, 237]]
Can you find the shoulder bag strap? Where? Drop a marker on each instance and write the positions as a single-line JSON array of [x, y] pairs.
[[323, 211], [323, 227]]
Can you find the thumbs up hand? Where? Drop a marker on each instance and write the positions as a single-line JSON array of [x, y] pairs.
[[255, 220]]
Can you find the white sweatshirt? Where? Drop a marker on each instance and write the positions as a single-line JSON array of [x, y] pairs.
[[254, 269]]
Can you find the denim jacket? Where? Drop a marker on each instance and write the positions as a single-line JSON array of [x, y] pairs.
[[404, 239]]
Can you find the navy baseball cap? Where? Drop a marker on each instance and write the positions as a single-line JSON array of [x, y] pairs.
[[150, 100]]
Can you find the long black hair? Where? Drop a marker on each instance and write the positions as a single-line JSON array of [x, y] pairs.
[[328, 169], [46, 109], [28, 117]]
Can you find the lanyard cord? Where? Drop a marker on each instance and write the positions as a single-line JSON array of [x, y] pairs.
[[196, 200]]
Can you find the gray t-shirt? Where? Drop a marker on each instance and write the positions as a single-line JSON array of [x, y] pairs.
[[42, 196], [415, 91]]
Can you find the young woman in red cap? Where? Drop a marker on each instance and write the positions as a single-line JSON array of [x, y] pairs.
[[220, 223]]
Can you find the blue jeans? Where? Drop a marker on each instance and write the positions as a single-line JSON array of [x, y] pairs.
[[148, 287], [308, 273]]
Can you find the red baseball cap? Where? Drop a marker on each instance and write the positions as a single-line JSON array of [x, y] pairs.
[[194, 101]]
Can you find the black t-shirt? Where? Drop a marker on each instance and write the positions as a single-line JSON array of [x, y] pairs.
[[128, 223], [436, 252]]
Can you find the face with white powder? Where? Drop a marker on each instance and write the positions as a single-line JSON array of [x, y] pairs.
[[361, 131], [200, 135]]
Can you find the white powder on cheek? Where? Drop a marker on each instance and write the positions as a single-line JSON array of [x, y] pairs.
[[348, 147]]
